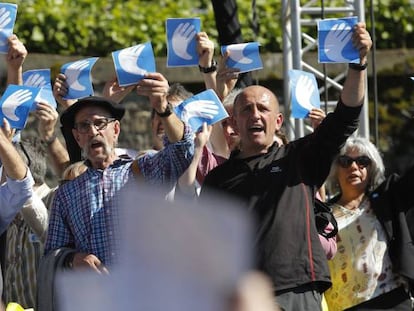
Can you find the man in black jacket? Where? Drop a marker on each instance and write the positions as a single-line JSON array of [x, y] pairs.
[[278, 183]]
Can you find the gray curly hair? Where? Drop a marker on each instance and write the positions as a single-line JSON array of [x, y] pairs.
[[364, 147], [33, 154]]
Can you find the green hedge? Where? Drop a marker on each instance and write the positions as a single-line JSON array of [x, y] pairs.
[[97, 27]]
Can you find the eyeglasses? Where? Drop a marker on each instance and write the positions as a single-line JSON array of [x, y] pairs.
[[99, 124], [346, 161]]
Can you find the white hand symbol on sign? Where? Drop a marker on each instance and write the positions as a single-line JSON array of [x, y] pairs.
[[13, 101], [181, 39]]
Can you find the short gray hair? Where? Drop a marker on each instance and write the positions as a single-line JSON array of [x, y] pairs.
[[376, 172], [228, 101]]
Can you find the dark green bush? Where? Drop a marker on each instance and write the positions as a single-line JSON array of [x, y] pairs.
[[97, 27]]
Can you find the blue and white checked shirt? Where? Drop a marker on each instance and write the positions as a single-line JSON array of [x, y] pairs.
[[85, 213]]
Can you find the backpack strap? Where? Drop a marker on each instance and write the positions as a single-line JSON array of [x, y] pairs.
[[324, 216]]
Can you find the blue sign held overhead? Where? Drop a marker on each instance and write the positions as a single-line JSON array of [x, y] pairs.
[[182, 42], [244, 56], [132, 63], [15, 104], [200, 108], [335, 40], [78, 78], [40, 78], [8, 13]]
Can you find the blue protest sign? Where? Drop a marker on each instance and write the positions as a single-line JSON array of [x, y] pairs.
[[132, 63], [181, 41], [244, 56], [40, 78], [15, 104], [8, 13], [304, 93], [200, 108], [335, 41], [78, 78]]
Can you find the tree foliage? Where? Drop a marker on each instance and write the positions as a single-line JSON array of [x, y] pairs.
[[97, 27], [394, 24]]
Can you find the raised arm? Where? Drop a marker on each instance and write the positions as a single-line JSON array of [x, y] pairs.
[[18, 187], [15, 58], [226, 78], [354, 87], [187, 180], [206, 62], [155, 86], [57, 152], [13, 164]]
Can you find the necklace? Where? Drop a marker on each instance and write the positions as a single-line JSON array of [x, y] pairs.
[[353, 204]]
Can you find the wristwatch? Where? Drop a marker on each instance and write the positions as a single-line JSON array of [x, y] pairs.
[[212, 68], [358, 67], [168, 111]]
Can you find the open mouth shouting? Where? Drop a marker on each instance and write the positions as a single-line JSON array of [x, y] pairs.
[[256, 129], [98, 146]]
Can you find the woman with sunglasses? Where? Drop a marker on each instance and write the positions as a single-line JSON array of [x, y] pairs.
[[375, 260]]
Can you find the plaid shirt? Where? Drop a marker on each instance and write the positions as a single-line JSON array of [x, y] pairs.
[[85, 212]]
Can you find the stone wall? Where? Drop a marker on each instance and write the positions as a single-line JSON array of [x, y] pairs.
[[135, 128]]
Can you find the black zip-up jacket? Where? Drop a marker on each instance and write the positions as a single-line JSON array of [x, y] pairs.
[[393, 203], [279, 187]]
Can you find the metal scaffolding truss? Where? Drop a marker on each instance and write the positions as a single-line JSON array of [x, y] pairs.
[[298, 21]]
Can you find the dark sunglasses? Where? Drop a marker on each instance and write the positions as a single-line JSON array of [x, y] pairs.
[[345, 161]]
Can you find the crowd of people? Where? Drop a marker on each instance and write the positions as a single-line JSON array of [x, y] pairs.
[[76, 226]]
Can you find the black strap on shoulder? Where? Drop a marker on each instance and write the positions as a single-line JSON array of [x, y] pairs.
[[324, 216]]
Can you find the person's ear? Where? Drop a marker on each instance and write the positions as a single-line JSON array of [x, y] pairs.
[[233, 123], [117, 128], [279, 121], [76, 135]]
